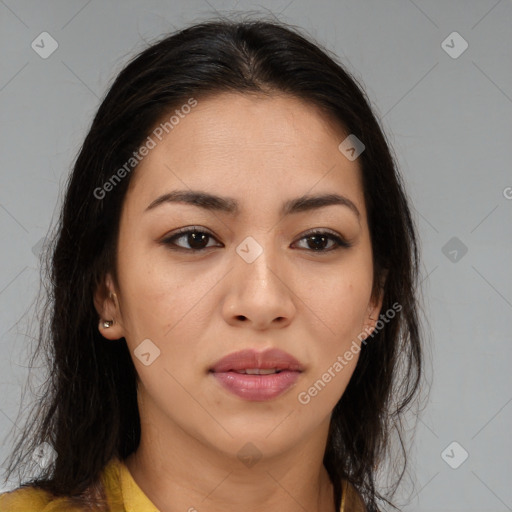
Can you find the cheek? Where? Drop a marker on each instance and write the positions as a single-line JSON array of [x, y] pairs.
[[160, 296], [146, 291], [344, 308], [340, 300], [321, 392]]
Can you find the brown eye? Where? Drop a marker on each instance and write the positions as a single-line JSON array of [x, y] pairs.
[[318, 241], [196, 239]]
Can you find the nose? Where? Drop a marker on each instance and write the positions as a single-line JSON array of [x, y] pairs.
[[259, 293]]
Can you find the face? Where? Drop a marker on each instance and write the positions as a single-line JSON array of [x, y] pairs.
[[254, 277]]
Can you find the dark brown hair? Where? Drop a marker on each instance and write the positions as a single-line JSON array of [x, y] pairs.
[[89, 409]]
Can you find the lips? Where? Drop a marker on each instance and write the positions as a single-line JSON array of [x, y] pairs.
[[257, 376], [253, 360]]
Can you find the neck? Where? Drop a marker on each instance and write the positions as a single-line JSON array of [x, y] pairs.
[[179, 473]]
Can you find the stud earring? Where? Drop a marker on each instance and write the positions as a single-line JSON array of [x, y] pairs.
[[109, 323]]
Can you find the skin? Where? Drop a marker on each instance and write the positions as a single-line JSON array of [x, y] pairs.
[[199, 307]]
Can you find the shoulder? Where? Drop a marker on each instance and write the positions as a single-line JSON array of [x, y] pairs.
[[29, 498], [33, 499], [24, 498], [351, 499]]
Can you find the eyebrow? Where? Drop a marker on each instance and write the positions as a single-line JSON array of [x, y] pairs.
[[231, 206]]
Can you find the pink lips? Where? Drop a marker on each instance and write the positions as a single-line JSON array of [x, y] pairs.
[[257, 387]]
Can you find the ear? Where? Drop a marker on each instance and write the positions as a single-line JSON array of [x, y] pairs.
[[374, 308], [106, 304]]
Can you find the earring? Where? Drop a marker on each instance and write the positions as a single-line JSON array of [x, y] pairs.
[[109, 323]]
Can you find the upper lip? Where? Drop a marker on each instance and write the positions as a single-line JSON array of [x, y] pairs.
[[248, 359]]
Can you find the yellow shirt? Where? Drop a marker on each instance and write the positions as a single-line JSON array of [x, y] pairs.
[[123, 495]]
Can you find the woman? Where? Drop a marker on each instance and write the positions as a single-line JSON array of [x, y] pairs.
[[233, 320]]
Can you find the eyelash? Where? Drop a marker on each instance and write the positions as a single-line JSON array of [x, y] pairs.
[[169, 241]]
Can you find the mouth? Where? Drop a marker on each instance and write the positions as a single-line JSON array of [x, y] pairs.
[[257, 376], [258, 371], [253, 362]]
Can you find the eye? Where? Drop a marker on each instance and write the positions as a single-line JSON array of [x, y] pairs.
[[196, 238], [317, 240]]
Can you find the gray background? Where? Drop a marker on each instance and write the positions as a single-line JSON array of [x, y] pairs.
[[448, 119]]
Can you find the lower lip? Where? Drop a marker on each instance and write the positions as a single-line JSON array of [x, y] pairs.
[[257, 387]]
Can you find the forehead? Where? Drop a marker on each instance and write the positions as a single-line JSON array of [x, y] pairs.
[[254, 122], [249, 145]]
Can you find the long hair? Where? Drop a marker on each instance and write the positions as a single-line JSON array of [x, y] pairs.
[[88, 411]]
